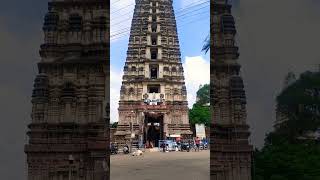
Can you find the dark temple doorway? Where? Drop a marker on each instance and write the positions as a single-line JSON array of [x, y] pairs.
[[153, 131]]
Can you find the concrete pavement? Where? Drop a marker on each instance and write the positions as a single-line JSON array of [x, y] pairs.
[[161, 166]]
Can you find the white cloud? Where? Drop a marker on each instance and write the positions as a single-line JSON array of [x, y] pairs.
[[197, 72], [120, 18], [115, 85], [189, 3]]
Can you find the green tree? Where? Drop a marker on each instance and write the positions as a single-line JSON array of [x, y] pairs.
[[285, 156], [200, 112], [290, 78], [199, 115], [203, 95], [277, 177], [206, 46], [114, 125], [292, 161], [300, 102]]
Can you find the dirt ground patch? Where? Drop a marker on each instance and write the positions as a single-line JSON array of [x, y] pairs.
[[159, 166]]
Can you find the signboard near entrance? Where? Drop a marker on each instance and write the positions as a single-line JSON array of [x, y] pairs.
[[200, 131], [153, 98], [152, 101], [175, 135]]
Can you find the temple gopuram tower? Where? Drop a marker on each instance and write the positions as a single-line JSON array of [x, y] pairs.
[[68, 135], [231, 153], [153, 98]]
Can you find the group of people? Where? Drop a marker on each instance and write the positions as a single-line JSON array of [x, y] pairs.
[[179, 145], [114, 148], [197, 142], [165, 147], [191, 143]]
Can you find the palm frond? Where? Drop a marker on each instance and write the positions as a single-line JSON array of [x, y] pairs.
[[206, 46]]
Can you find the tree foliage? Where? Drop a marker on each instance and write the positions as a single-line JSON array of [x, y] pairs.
[[200, 112], [199, 115], [285, 156], [203, 95], [114, 125], [290, 77], [288, 161], [300, 103], [207, 43]]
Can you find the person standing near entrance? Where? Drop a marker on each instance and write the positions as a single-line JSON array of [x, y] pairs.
[[178, 140], [163, 145], [198, 143], [179, 144]]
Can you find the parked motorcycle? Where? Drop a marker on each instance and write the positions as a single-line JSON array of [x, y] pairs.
[[205, 146], [185, 147], [126, 149], [113, 149]]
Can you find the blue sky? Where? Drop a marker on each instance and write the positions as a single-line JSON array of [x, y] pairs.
[[193, 24]]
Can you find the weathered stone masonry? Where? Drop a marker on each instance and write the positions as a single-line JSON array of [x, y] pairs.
[[230, 149], [153, 93], [68, 133]]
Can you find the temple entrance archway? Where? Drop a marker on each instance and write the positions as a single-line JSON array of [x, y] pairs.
[[153, 131]]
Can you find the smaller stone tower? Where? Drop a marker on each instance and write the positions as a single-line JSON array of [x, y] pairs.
[[68, 135], [230, 150]]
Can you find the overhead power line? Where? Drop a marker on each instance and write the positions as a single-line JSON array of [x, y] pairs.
[[179, 25], [181, 15], [182, 10], [186, 13], [127, 29], [194, 4], [183, 18], [118, 10], [115, 2]]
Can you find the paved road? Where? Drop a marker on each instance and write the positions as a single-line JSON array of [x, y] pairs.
[[161, 166]]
